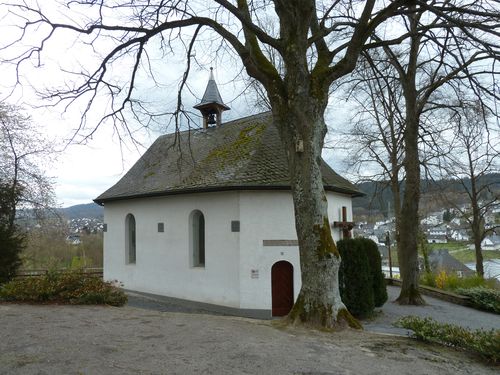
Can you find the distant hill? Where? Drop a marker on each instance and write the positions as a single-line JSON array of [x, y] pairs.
[[378, 198], [89, 210]]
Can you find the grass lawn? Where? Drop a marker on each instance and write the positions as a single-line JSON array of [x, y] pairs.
[[461, 251], [458, 250], [451, 246], [468, 256]]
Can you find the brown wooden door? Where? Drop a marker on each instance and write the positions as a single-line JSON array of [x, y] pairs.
[[282, 288]]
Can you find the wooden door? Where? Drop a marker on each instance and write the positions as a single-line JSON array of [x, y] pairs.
[[282, 288]]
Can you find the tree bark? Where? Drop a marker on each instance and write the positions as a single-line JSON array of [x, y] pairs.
[[477, 223], [407, 245], [408, 230], [477, 229], [302, 129], [298, 105], [479, 256]]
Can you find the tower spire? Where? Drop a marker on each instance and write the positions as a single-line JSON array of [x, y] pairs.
[[211, 105]]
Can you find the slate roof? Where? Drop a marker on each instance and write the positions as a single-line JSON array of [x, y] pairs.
[[442, 260], [244, 154], [211, 95]]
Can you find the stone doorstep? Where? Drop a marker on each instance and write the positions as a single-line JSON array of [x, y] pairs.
[[437, 293]]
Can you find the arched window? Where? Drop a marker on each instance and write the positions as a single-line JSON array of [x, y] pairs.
[[198, 239], [130, 239]]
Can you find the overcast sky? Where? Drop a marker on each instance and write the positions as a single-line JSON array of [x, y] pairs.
[[83, 171]]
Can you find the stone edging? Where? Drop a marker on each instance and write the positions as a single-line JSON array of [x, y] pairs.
[[438, 293]]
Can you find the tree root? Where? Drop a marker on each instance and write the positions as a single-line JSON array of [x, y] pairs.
[[410, 296], [321, 317]]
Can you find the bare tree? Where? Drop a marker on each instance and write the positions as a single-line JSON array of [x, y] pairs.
[[435, 58], [375, 140], [475, 154], [317, 43], [23, 152]]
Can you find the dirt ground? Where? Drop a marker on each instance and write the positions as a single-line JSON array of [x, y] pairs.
[[107, 340]]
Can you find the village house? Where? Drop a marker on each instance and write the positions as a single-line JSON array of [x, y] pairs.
[[207, 215], [431, 220], [441, 260], [459, 235], [491, 243]]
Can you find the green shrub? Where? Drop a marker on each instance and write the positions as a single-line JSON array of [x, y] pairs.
[[429, 279], [375, 264], [355, 281], [475, 281], [11, 245], [483, 298], [485, 343], [73, 287], [451, 281]]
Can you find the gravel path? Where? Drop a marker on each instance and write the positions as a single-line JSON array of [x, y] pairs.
[[106, 340], [156, 336], [383, 321]]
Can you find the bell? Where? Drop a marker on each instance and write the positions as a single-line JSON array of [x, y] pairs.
[[211, 119]]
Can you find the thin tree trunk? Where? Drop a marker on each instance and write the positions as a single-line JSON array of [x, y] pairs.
[[478, 234], [477, 224], [397, 204], [479, 256]]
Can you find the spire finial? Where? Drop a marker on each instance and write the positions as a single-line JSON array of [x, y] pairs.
[[211, 106]]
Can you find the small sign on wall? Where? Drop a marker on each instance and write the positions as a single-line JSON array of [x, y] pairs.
[[254, 274]]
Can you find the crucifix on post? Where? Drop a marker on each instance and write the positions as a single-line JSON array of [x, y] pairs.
[[344, 225]]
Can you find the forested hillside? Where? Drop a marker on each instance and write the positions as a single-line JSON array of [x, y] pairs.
[[378, 199]]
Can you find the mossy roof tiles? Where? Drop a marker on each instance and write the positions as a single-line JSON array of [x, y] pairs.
[[244, 154]]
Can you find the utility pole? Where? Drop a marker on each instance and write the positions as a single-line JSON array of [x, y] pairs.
[[388, 244]]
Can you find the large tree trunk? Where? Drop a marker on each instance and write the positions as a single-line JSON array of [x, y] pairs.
[[408, 231], [298, 105], [302, 129]]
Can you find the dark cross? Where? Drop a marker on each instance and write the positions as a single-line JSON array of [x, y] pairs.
[[344, 225]]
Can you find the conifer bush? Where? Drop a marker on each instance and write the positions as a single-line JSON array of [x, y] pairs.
[[361, 280], [355, 279], [375, 265]]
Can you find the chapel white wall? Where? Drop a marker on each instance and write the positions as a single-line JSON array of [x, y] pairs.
[[163, 259], [163, 264], [269, 215]]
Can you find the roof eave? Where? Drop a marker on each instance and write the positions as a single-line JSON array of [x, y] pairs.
[[204, 105], [101, 201]]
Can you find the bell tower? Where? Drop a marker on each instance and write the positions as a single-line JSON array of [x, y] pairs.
[[211, 105]]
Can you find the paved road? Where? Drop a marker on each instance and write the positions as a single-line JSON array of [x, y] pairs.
[[157, 337], [439, 310]]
